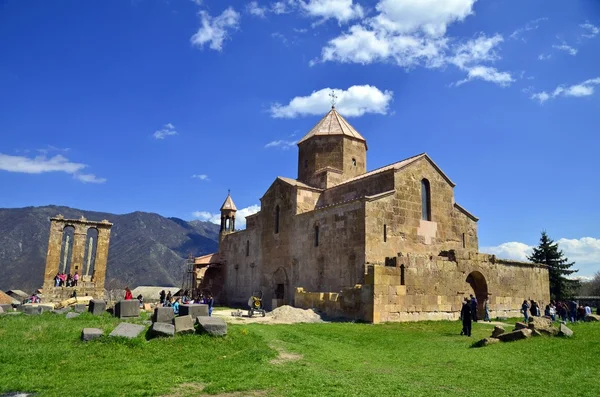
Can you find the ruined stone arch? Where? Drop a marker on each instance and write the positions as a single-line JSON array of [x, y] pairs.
[[280, 288], [479, 285], [66, 248]]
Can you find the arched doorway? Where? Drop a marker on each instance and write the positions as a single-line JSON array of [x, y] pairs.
[[213, 283], [480, 289], [280, 288]]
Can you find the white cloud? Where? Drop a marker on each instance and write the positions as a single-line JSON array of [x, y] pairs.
[[585, 252], [281, 144], [487, 73], [89, 178], [202, 177], [198, 2], [544, 57], [531, 25], [215, 30], [342, 10], [240, 216], [591, 29], [167, 130], [566, 48], [256, 10], [411, 33], [353, 102], [50, 148], [585, 88], [42, 164]]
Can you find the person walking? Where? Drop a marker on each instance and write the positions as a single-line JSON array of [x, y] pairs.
[[486, 307], [474, 308], [525, 311], [465, 316]]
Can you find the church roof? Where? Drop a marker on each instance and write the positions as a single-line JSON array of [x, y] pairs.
[[333, 124], [228, 204]]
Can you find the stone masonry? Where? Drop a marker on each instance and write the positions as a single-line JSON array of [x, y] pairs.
[[386, 245]]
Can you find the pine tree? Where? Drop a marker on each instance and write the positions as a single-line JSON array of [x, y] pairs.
[[559, 267]]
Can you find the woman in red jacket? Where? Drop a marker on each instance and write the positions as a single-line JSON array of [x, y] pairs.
[[128, 294]]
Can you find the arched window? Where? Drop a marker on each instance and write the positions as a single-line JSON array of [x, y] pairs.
[[425, 200], [276, 219], [353, 162], [316, 236]]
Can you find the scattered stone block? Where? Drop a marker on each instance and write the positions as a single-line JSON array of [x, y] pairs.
[[498, 330], [127, 309], [539, 322], [31, 310], [64, 310], [519, 334], [6, 308], [486, 342], [520, 326], [211, 325], [163, 329], [565, 331], [548, 331], [97, 307], [1, 310], [72, 315], [127, 330], [91, 333], [193, 310], [80, 308], [592, 318], [163, 315], [184, 324]]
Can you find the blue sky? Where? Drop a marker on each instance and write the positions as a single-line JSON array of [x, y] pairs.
[[162, 106]]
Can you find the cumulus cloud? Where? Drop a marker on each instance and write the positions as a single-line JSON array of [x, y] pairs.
[[202, 177], [43, 164], [240, 216], [341, 10], [167, 130], [585, 252], [255, 9], [412, 33], [591, 30], [215, 30], [353, 102], [585, 88], [531, 25], [281, 144]]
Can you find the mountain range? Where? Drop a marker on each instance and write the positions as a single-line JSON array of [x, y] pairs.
[[145, 248]]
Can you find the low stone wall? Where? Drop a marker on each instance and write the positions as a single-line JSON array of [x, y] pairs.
[[59, 294]]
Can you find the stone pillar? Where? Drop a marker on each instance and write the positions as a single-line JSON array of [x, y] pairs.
[[53, 255], [233, 224], [101, 259], [79, 237]]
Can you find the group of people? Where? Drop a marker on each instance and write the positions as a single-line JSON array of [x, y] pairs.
[[468, 313], [167, 300], [66, 280], [569, 311]]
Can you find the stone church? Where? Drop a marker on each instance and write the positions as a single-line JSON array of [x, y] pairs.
[[389, 244]]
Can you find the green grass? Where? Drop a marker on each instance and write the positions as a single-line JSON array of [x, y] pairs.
[[44, 354]]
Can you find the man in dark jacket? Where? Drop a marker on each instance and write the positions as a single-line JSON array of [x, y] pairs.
[[465, 316], [474, 308]]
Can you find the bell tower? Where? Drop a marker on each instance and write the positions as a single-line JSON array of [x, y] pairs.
[[228, 211]]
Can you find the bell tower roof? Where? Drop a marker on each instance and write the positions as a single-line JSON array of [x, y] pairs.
[[228, 205], [333, 124]]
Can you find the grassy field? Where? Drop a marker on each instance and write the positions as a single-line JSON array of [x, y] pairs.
[[44, 355]]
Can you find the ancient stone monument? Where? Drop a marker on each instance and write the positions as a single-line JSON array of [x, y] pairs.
[[76, 246]]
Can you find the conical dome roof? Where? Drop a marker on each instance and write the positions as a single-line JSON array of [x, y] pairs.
[[333, 124], [228, 205]]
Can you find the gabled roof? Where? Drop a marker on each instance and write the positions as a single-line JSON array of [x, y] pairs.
[[228, 204], [333, 124], [215, 257], [398, 166], [297, 183], [464, 211]]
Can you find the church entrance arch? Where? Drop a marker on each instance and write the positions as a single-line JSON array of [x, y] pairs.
[[281, 286], [480, 289]]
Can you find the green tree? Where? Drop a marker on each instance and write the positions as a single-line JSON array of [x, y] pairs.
[[547, 253]]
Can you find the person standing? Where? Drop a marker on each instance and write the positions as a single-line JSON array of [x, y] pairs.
[[588, 310], [176, 307], [162, 297], [486, 307], [128, 294], [525, 311], [75, 279], [465, 316], [169, 299], [210, 302], [552, 311], [474, 308], [572, 311]]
